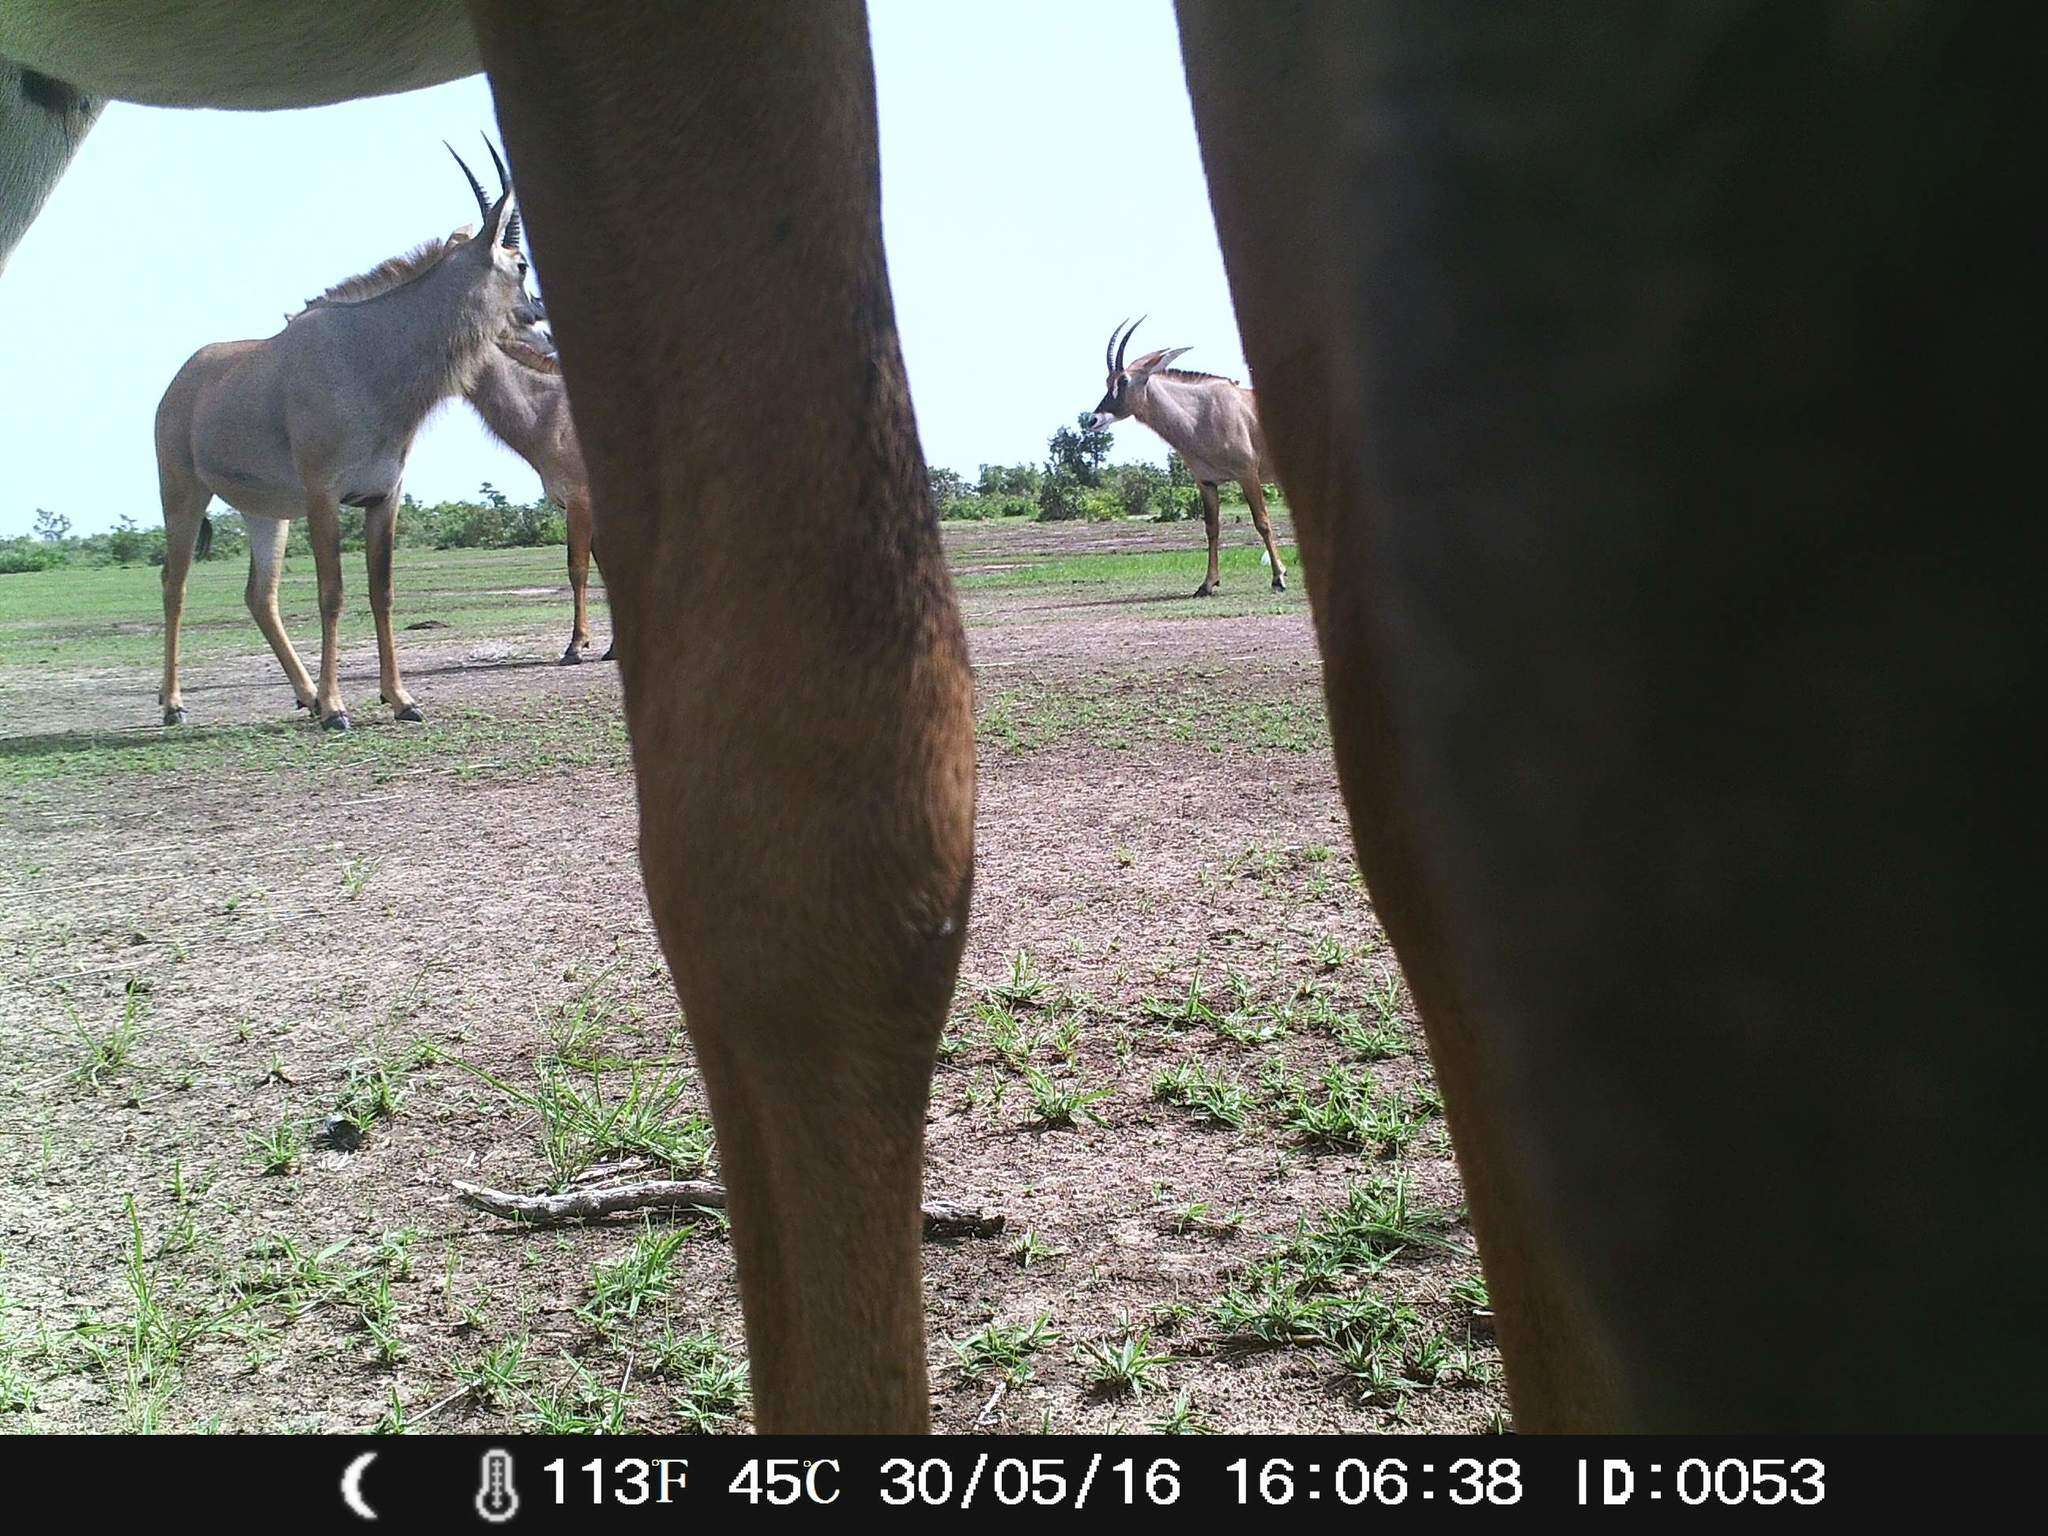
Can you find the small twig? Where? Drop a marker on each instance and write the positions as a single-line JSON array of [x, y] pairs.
[[426, 1413], [942, 1218]]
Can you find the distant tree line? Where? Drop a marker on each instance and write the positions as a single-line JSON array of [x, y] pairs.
[[491, 521], [1076, 481]]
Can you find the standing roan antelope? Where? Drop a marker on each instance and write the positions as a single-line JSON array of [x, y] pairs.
[[520, 396], [1210, 421], [1615, 370], [323, 415]]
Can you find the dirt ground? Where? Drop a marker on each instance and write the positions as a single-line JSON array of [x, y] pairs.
[[209, 944]]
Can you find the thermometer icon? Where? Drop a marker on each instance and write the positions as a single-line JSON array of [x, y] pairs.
[[496, 1500]]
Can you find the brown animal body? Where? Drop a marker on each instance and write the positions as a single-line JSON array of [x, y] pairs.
[[520, 396], [323, 415], [1211, 422], [1620, 374]]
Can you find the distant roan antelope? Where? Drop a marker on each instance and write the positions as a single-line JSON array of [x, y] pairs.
[[1210, 421], [519, 394], [323, 415]]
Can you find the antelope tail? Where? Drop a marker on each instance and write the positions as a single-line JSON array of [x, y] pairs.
[[205, 547]]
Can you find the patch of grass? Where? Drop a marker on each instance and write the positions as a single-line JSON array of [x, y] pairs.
[[1146, 570], [144, 1358], [580, 1125], [1377, 1220], [1345, 1111], [620, 1287], [1003, 1033], [1471, 1293], [578, 1404], [1124, 710], [1206, 1094], [376, 1085], [1374, 1042], [1031, 1249], [1200, 1216], [94, 617], [379, 1314], [1004, 1349], [1180, 1417], [710, 1385], [1187, 1012], [109, 1050], [355, 877], [1062, 1105], [396, 1419], [498, 1375], [1024, 987], [1303, 1294], [461, 743], [278, 1150], [1121, 1367]]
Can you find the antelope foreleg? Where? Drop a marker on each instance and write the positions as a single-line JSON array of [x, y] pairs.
[[323, 520], [380, 534], [578, 511]]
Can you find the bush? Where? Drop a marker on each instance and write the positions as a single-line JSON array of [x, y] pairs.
[[125, 544], [1059, 499], [1013, 480], [18, 555], [975, 508], [1062, 500], [1102, 505], [1139, 488]]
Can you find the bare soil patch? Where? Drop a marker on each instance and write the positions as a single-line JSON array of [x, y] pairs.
[[204, 960]]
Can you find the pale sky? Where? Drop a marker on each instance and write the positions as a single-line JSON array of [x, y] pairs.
[[1041, 182]]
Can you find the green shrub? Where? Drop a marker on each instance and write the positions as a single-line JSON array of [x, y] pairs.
[[976, 508], [25, 554], [1060, 499], [1139, 488]]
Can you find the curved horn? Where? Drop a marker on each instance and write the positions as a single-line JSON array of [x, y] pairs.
[[1124, 346], [504, 181], [504, 189], [1109, 352], [483, 204]]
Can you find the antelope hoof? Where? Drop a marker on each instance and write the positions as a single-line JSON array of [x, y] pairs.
[[175, 715], [410, 714], [611, 652], [338, 721], [1206, 589], [1279, 583], [571, 658]]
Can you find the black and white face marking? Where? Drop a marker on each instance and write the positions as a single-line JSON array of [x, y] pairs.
[[1115, 405]]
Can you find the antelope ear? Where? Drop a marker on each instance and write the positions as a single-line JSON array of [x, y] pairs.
[[1152, 362], [502, 226]]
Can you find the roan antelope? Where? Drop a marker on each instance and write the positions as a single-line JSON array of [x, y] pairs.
[[1619, 371], [321, 416], [518, 391], [1210, 421]]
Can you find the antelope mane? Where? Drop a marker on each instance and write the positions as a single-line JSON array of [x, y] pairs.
[[386, 275]]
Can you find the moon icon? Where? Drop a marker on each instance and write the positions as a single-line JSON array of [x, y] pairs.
[[352, 1485]]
